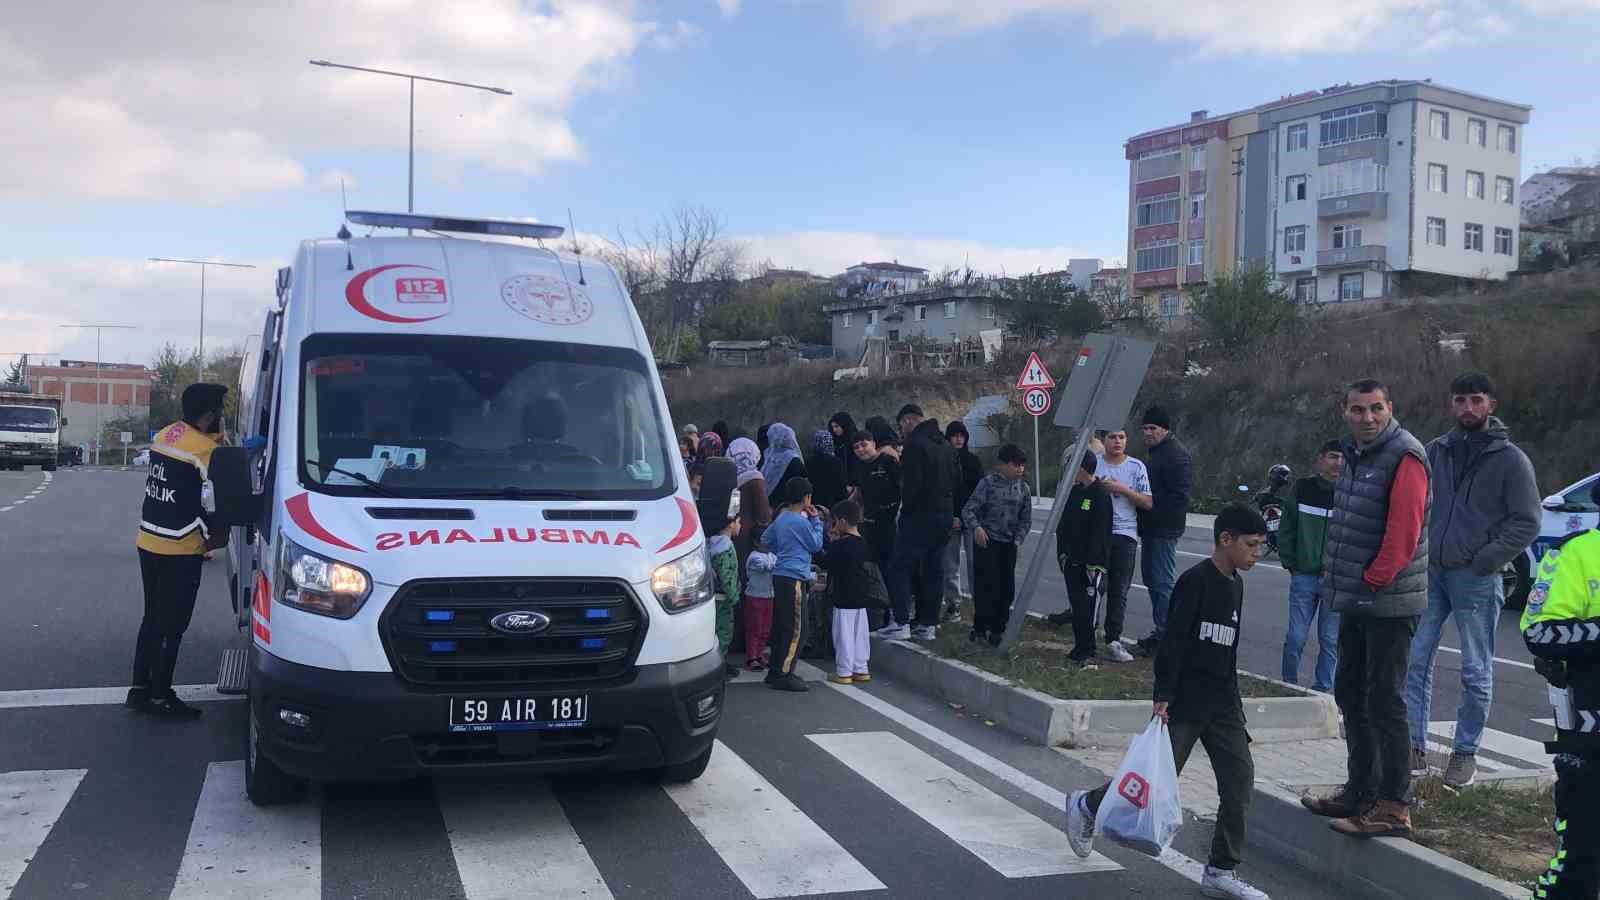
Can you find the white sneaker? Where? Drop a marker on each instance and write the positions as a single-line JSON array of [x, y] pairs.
[[925, 633], [1225, 883], [1080, 824], [894, 632], [1117, 653]]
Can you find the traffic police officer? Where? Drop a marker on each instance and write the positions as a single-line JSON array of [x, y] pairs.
[[1561, 626], [174, 534]]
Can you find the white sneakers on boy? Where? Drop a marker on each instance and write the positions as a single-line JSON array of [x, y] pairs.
[[1080, 824], [1117, 653], [1225, 883], [893, 632]]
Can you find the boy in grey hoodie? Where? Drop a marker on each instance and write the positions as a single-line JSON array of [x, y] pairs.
[[1485, 512]]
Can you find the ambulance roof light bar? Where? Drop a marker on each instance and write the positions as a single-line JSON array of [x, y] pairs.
[[426, 222]]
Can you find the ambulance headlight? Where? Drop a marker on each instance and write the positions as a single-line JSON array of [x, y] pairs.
[[320, 585], [683, 583]]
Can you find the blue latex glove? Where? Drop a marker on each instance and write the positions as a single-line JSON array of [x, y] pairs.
[[254, 444]]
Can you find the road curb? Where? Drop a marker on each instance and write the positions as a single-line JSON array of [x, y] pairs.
[[1381, 868], [1054, 722]]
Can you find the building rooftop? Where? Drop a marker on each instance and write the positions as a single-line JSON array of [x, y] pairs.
[[887, 267]]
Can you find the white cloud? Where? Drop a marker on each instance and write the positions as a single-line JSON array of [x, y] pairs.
[[197, 100], [677, 36], [730, 8], [831, 252], [1266, 27]]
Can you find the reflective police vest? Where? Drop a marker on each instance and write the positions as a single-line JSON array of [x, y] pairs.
[[1562, 625]]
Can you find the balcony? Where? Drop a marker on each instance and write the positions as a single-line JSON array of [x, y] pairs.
[[1359, 257], [1372, 203], [1373, 146]]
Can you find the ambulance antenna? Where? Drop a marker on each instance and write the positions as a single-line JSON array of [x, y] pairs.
[[344, 233], [576, 250]]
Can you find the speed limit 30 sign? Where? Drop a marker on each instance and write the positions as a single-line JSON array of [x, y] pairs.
[[1036, 401]]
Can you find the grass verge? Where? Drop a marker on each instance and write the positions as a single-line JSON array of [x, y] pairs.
[[1504, 831]]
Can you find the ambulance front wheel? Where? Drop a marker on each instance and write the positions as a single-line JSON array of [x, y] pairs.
[[685, 771], [264, 782]]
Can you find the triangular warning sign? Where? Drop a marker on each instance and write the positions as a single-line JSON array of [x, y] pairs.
[[1034, 374]]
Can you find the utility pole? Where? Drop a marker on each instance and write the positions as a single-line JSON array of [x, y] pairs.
[[97, 329], [1238, 207], [200, 363]]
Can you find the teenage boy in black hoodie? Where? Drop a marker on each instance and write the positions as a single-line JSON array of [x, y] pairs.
[[1197, 695], [958, 553], [1083, 549]]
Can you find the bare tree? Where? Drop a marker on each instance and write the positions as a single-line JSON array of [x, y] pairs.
[[681, 267]]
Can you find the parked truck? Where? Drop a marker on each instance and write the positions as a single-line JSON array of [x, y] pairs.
[[30, 429]]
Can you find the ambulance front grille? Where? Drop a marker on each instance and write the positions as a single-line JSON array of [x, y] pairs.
[[438, 632]]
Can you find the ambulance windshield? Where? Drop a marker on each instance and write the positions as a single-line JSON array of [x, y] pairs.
[[442, 416]]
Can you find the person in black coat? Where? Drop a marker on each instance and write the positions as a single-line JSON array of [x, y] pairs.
[[1083, 550], [958, 553], [843, 428], [826, 472]]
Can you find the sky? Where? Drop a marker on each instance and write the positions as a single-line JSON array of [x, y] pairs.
[[822, 132]]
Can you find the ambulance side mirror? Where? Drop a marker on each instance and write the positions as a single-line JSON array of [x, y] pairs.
[[232, 488]]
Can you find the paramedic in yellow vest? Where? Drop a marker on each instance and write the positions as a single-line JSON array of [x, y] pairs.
[[1561, 626], [174, 534]]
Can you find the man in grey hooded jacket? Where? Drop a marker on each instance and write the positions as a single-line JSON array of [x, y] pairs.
[[1485, 512]]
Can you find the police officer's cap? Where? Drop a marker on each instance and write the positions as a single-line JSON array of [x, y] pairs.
[[201, 398]]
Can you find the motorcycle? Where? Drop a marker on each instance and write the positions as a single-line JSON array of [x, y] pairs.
[[1270, 502]]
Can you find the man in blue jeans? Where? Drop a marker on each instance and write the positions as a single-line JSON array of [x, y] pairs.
[[1300, 539], [929, 473], [1485, 512], [1160, 526]]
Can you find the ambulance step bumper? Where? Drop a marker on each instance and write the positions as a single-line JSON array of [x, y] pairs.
[[233, 675]]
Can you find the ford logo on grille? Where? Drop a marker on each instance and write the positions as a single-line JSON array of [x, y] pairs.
[[520, 622]]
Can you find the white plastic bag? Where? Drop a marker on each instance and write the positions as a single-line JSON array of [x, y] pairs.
[[1141, 809]]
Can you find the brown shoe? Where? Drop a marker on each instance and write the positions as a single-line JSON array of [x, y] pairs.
[[1386, 818], [1341, 804]]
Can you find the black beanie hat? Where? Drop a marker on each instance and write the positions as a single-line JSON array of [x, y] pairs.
[[1158, 416]]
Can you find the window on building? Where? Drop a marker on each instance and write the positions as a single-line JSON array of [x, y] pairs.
[[1294, 239], [1353, 176], [1162, 210], [1197, 158], [949, 309], [1477, 132], [1197, 253], [1438, 178], [1346, 236], [1502, 241], [1197, 207], [1305, 290], [844, 321], [1350, 286], [1436, 231], [1438, 124], [1157, 164], [1169, 306], [922, 312], [1473, 237], [1295, 137], [1353, 123], [872, 317], [1506, 139], [1504, 189], [1294, 188], [1159, 255], [894, 334], [988, 310], [1475, 185]]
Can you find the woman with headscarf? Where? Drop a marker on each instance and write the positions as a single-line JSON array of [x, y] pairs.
[[761, 437], [755, 513], [826, 472], [710, 446], [843, 429], [721, 430], [781, 462]]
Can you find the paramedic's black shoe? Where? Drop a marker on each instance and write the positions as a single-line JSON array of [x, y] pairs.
[[138, 699], [790, 682], [173, 708]]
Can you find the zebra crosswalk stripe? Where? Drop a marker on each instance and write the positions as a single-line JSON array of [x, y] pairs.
[[236, 849], [513, 841], [1009, 839], [779, 852], [30, 803]]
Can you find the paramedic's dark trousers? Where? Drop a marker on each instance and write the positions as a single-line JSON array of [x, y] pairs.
[[170, 586], [1228, 745], [1574, 873], [788, 616]]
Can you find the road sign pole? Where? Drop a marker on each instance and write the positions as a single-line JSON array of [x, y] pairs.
[[1069, 461], [1037, 488]]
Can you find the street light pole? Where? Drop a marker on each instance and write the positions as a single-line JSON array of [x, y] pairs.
[[97, 329], [200, 363], [411, 120]]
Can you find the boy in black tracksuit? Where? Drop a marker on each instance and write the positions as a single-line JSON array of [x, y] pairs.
[[1083, 549], [1197, 694]]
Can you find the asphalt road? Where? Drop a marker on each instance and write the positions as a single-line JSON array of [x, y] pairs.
[[871, 790], [1520, 696]]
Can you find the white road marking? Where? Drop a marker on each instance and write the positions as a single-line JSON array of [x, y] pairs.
[[1511, 746], [30, 803], [237, 849], [102, 696], [1548, 723], [513, 840], [776, 852], [1259, 565], [1499, 659], [1007, 838], [6, 508]]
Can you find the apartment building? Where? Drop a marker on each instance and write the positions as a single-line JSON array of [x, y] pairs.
[[1342, 193]]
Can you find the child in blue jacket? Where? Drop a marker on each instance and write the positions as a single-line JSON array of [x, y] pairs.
[[795, 536]]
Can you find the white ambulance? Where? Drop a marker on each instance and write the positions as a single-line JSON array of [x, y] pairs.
[[469, 542]]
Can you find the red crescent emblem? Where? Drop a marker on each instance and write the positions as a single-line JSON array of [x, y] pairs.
[[299, 507], [355, 293], [691, 523]]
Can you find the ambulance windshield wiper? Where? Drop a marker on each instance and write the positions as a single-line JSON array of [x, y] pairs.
[[374, 486], [509, 492]]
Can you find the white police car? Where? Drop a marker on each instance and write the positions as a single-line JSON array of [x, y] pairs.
[[1573, 508]]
